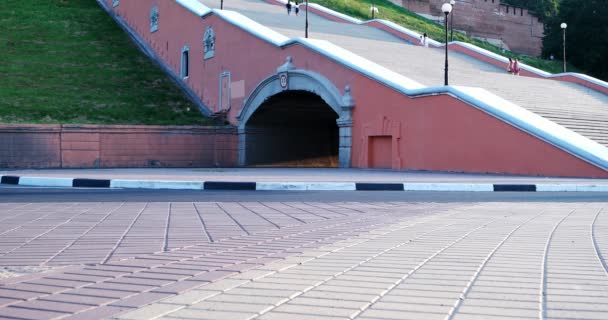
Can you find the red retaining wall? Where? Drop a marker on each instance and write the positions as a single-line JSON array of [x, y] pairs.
[[104, 146]]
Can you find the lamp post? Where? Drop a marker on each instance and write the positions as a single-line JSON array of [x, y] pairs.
[[446, 8], [306, 23], [564, 26], [452, 2], [373, 9]]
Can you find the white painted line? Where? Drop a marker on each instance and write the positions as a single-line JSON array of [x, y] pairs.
[[45, 182], [306, 186], [572, 188], [556, 187], [592, 188], [155, 184], [475, 187]]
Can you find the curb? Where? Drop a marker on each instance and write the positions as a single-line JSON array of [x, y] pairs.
[[295, 186]]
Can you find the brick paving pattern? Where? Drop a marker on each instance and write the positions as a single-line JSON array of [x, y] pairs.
[[126, 255], [491, 261], [301, 260], [68, 233]]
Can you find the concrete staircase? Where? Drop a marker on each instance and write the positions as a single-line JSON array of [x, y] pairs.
[[573, 106]]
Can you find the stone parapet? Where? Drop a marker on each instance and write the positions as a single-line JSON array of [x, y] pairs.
[[112, 146]]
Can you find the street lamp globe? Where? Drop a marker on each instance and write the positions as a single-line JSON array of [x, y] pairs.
[[564, 26], [446, 8], [452, 2]]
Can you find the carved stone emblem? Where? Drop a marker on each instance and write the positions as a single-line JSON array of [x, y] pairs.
[[284, 80], [154, 19], [209, 43]]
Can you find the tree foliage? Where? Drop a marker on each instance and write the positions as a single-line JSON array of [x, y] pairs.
[[586, 35]]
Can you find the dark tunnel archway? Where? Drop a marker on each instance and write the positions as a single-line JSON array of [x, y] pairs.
[[293, 128]]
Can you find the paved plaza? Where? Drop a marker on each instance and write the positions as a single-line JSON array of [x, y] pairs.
[[303, 260]]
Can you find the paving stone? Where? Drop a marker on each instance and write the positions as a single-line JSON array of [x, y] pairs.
[[179, 287], [103, 293], [337, 303], [295, 316], [36, 288], [232, 296], [7, 301], [236, 306], [149, 312], [320, 311], [140, 299], [252, 274], [210, 315], [141, 281], [18, 294], [53, 306], [191, 297], [365, 297], [225, 284], [79, 299], [34, 314], [212, 276], [121, 286], [400, 314], [476, 316], [98, 313], [63, 283]]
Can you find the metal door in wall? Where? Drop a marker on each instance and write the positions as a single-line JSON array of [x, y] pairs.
[[380, 152]]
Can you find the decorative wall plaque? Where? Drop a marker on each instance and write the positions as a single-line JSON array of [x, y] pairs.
[[209, 43], [154, 18]]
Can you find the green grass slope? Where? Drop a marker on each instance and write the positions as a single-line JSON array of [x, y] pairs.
[[67, 61]]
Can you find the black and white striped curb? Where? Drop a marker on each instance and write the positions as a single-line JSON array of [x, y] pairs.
[[296, 186]]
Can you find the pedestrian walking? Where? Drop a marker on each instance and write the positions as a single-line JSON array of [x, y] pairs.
[[424, 40], [510, 67], [297, 8], [516, 68], [288, 6]]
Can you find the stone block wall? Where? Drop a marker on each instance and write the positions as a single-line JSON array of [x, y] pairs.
[[30, 146], [519, 30], [102, 146]]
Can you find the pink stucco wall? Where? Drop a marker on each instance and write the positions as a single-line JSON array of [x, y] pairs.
[[445, 134], [429, 133]]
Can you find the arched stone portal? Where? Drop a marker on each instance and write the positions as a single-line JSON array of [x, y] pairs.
[[293, 128], [296, 118]]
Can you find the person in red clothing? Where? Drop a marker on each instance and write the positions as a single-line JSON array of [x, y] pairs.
[[516, 68]]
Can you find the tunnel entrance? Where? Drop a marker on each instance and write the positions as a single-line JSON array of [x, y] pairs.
[[293, 128]]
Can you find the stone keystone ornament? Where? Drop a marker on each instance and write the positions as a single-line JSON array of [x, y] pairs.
[[284, 80], [283, 72]]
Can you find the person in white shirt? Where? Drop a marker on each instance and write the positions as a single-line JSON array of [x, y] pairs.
[[297, 8]]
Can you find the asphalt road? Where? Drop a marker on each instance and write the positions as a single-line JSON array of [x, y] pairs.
[[23, 194]]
